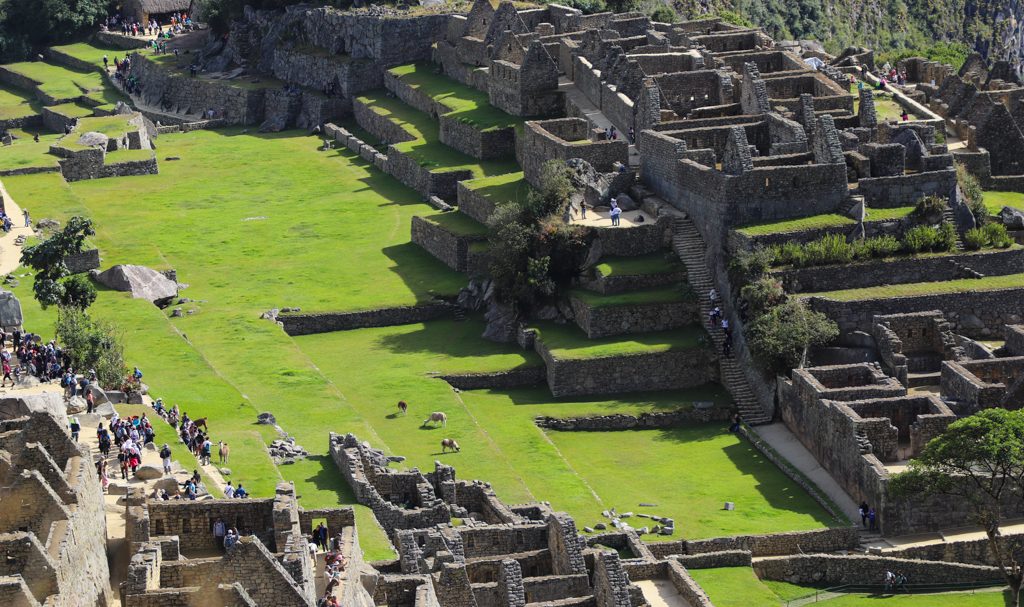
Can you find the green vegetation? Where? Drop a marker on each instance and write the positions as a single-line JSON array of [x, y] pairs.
[[953, 53], [24, 152], [92, 345], [15, 103], [735, 587], [966, 285], [995, 201], [90, 53], [53, 285], [785, 226], [458, 223], [989, 235], [888, 214], [569, 342], [780, 337], [641, 297], [28, 25], [510, 187], [466, 103], [655, 263], [427, 148], [971, 188], [72, 109], [65, 84]]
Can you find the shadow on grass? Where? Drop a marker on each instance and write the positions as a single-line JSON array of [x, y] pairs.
[[325, 477], [422, 273], [655, 401]]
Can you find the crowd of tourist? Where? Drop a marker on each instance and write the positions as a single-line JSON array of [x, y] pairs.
[[334, 562], [128, 26]]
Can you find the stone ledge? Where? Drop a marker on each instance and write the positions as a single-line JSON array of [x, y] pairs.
[[498, 380], [607, 321], [326, 322]]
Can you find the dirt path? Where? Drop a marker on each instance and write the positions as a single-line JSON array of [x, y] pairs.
[[661, 593], [10, 253]]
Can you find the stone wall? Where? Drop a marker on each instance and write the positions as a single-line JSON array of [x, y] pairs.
[[711, 560], [772, 544], [498, 380], [450, 248], [616, 422], [83, 262], [635, 373], [906, 190], [377, 125], [976, 314], [633, 240], [1014, 335], [833, 570], [928, 268], [610, 285], [113, 39], [489, 144], [475, 205], [970, 552], [442, 184], [605, 321], [563, 139], [325, 322]]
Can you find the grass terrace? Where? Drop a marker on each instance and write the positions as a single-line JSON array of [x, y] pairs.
[[655, 263], [90, 53], [427, 148], [127, 156], [458, 223], [662, 295], [25, 153], [466, 103], [16, 103], [72, 109], [966, 285], [736, 587], [888, 214], [995, 201], [509, 187], [569, 342], [785, 226], [62, 83]]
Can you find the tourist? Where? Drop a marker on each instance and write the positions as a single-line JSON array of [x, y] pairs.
[[7, 375], [229, 491], [106, 63], [240, 492], [75, 429], [219, 531], [736, 421], [311, 546], [632, 136], [137, 373], [872, 519], [727, 346], [904, 116], [90, 402], [165, 455], [28, 218], [230, 538], [616, 212], [321, 536], [864, 514], [101, 473], [713, 296], [890, 579]]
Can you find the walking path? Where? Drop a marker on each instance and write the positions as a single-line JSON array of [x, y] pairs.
[[594, 114], [10, 253], [661, 593]]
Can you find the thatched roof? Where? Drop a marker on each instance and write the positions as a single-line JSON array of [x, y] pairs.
[[155, 7]]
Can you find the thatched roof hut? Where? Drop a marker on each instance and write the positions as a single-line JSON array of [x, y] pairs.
[[144, 10]]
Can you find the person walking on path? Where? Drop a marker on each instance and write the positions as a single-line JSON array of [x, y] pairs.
[[28, 218], [864, 514], [165, 455], [872, 519], [615, 213]]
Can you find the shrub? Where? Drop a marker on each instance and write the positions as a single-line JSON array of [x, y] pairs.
[[829, 249], [880, 246], [997, 236], [92, 345], [763, 294], [975, 238], [664, 14], [973, 193], [929, 209], [780, 338], [748, 266], [919, 239], [945, 237]]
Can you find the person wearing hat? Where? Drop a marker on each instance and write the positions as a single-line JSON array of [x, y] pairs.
[[165, 455], [75, 429]]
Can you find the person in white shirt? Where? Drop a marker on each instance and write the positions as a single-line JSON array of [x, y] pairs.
[[229, 491]]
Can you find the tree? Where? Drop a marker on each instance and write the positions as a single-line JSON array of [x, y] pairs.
[[93, 345], [979, 462], [34, 24], [47, 259], [780, 337]]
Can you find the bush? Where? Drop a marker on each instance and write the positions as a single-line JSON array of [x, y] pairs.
[[973, 193], [929, 209], [880, 246], [945, 239], [763, 294], [974, 239], [997, 236], [780, 338], [664, 14], [829, 249], [92, 345], [923, 239], [748, 266]]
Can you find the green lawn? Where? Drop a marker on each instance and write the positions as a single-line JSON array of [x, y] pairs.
[[90, 53], [661, 295], [24, 153], [510, 187], [111, 126], [734, 587], [427, 148], [72, 109], [16, 103], [655, 263], [953, 599], [569, 342], [785, 226], [124, 155], [889, 214], [965, 285], [458, 223], [703, 466], [63, 83], [466, 103], [995, 201]]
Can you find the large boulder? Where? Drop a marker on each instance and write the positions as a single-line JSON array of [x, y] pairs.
[[149, 473], [76, 404], [93, 139], [1012, 218], [10, 310], [47, 402], [141, 282]]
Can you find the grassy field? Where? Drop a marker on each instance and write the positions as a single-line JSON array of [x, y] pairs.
[[466, 103], [16, 103], [569, 342], [63, 83], [661, 295], [995, 201], [655, 263], [830, 220], [510, 187], [735, 587], [458, 223], [90, 53], [427, 148], [965, 285], [888, 214], [24, 152]]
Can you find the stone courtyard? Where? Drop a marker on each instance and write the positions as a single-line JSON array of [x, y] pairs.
[[715, 143]]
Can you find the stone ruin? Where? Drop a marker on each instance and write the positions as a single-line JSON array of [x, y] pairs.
[[52, 524]]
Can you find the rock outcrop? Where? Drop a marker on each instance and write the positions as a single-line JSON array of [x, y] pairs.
[[141, 282]]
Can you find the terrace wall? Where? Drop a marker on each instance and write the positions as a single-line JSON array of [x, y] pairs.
[[325, 322], [860, 569], [606, 321]]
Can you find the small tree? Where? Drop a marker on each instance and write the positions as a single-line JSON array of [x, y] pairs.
[[978, 462], [973, 193], [780, 338], [47, 259], [92, 345]]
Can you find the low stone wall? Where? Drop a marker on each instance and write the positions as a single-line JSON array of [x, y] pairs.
[[670, 370], [606, 321], [610, 285], [473, 204], [83, 262], [55, 121], [906, 190], [711, 560], [687, 586], [486, 145], [67, 60], [414, 97], [377, 125], [34, 120], [614, 422], [119, 40], [634, 240], [900, 271], [857, 569], [448, 247], [499, 380], [442, 184], [325, 322], [970, 552], [976, 314], [28, 171], [771, 544]]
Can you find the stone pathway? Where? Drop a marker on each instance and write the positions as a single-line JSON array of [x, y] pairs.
[[661, 593], [787, 445], [594, 114], [602, 219], [10, 253]]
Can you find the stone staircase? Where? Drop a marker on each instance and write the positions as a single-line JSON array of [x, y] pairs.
[[948, 217], [689, 246]]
